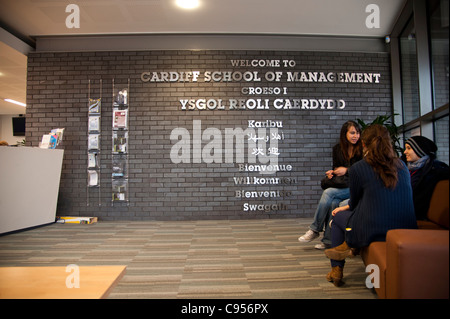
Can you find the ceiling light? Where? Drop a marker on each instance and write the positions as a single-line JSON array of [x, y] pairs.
[[15, 102], [188, 4]]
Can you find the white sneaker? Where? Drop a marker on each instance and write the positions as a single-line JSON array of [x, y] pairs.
[[310, 235], [322, 246]]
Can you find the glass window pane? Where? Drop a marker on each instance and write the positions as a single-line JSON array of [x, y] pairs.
[[409, 76], [407, 134], [441, 135], [439, 21]]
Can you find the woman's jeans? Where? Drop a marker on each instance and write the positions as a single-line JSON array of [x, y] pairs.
[[331, 197]]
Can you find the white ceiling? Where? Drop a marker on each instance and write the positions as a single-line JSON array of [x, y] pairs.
[[28, 19]]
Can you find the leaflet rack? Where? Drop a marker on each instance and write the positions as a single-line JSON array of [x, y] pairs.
[[93, 147], [120, 116]]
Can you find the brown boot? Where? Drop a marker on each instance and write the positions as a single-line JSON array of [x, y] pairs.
[[355, 252], [335, 276], [339, 253]]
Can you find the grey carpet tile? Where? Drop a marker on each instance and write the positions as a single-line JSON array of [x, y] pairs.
[[248, 259]]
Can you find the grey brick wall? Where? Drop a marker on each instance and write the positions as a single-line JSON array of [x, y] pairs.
[[57, 93]]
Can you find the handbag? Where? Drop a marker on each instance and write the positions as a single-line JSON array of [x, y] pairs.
[[334, 182]]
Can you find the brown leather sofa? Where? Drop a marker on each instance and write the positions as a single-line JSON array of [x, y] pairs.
[[414, 263]]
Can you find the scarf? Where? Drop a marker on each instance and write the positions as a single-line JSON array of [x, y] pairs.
[[414, 166]]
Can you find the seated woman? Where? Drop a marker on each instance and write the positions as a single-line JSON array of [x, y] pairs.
[[346, 153], [426, 171], [380, 200]]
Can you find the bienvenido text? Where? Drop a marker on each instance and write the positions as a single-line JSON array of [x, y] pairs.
[[262, 194]]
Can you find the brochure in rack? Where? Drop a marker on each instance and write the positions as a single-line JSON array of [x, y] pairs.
[[120, 118], [53, 139]]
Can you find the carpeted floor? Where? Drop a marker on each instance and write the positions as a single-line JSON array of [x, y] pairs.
[[250, 259]]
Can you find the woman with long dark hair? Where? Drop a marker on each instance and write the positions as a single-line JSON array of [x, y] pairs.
[[380, 200], [347, 152]]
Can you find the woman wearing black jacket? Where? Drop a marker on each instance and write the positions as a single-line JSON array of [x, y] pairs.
[[347, 152]]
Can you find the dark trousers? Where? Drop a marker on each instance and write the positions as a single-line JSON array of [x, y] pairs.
[[338, 227]]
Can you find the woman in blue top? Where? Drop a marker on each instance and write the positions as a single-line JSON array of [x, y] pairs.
[[380, 200]]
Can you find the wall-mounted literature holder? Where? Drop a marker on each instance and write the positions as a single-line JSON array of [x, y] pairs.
[[93, 147], [120, 129]]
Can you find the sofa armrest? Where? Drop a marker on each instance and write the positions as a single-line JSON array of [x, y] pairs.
[[417, 264]]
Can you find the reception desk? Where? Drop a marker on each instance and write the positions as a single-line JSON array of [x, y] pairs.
[[29, 186]]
